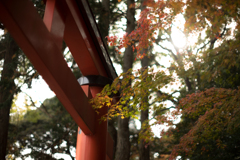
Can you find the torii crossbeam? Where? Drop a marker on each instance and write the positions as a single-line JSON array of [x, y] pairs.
[[41, 41]]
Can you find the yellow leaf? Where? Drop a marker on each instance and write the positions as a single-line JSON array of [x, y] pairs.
[[13, 56]]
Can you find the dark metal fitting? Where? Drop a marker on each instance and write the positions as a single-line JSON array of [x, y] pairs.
[[94, 80]]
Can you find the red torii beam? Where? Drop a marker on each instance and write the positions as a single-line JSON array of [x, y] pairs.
[[41, 41]]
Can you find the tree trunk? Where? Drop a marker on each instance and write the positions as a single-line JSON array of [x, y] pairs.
[[123, 144], [144, 152], [113, 132], [143, 146], [7, 89], [104, 20], [128, 54]]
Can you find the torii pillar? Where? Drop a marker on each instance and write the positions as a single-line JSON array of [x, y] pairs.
[[41, 41], [88, 146]]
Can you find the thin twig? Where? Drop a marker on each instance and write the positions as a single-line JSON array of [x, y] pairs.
[[33, 104]]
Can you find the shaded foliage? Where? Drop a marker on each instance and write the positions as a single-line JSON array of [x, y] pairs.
[[46, 130], [215, 117]]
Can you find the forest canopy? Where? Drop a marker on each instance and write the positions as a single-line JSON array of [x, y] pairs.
[[208, 69]]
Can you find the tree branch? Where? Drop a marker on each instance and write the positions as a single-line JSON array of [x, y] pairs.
[[169, 50], [33, 104], [212, 41], [168, 97], [117, 16]]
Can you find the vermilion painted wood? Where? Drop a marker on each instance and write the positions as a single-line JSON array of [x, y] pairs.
[[93, 147], [80, 43], [27, 28], [54, 20], [83, 140], [48, 15], [79, 50]]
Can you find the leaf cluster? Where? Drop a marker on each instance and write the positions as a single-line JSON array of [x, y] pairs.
[[214, 114], [120, 94]]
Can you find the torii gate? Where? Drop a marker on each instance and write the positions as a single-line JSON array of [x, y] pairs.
[[41, 40]]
